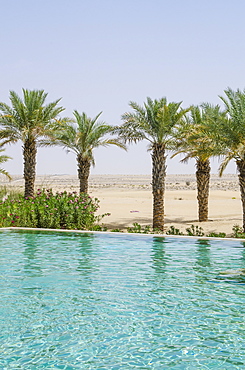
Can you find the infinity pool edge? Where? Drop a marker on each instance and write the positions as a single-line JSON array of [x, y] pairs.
[[119, 233]]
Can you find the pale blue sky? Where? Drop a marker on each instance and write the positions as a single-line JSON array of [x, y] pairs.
[[100, 54]]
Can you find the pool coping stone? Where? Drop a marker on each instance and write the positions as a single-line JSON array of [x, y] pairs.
[[120, 233]]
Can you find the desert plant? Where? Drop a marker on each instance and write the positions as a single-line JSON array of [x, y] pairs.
[[154, 122], [29, 121], [82, 138], [174, 231], [47, 210], [238, 232], [230, 135], [194, 231], [194, 139], [216, 235], [138, 229], [98, 228]]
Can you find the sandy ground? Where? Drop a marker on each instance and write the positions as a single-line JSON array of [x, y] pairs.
[[129, 199]]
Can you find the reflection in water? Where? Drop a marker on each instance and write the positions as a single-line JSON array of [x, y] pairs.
[[153, 314], [243, 256], [202, 256], [203, 260], [159, 259], [86, 259], [87, 296], [232, 277], [159, 264], [32, 266], [235, 274]]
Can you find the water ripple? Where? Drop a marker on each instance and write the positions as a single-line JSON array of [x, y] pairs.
[[120, 302]]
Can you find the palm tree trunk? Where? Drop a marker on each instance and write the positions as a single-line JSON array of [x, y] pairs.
[[203, 178], [83, 173], [29, 154], [241, 176], [158, 185]]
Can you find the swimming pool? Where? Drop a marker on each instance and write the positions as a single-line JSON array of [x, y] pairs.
[[89, 301]]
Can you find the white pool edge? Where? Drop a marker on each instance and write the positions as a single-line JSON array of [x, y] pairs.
[[120, 233]]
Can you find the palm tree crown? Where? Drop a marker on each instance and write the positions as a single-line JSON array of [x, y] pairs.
[[28, 118], [29, 121], [82, 137], [153, 122], [194, 135]]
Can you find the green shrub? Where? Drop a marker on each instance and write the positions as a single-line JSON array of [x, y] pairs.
[[97, 227], [238, 232], [195, 231], [217, 235], [47, 210], [174, 231], [138, 229]]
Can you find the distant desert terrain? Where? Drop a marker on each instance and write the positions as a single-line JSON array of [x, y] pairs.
[[129, 199]]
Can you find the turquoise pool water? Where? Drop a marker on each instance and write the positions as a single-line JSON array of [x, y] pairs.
[[72, 301]]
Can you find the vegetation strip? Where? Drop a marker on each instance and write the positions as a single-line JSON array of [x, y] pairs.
[[47, 210], [199, 132]]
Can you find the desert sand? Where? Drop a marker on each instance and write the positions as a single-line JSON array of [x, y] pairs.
[[129, 199]]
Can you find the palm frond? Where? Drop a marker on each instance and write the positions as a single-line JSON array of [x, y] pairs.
[[225, 162], [5, 173], [154, 121], [28, 117], [83, 134], [198, 132], [3, 159], [231, 135]]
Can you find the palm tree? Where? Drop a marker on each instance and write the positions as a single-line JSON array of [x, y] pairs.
[[230, 134], [29, 121], [194, 138], [81, 139], [3, 159], [154, 122]]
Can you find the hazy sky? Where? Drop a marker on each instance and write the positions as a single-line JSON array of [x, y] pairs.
[[100, 54]]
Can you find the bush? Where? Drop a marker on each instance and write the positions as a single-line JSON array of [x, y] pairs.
[[138, 229], [217, 235], [195, 231], [47, 210], [173, 231], [238, 232]]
